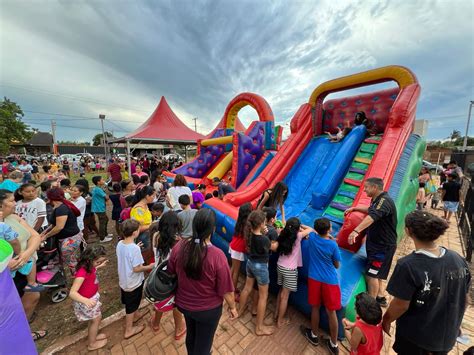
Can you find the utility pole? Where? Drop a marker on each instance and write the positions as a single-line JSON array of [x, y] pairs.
[[464, 146], [53, 133], [195, 124], [102, 118]]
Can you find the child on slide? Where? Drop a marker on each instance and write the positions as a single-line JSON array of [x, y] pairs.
[[341, 133]]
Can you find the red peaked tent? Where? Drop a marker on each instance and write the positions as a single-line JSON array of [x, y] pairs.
[[163, 127]]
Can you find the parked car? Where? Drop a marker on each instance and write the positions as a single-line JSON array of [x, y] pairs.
[[432, 167], [173, 156], [85, 155], [69, 157]]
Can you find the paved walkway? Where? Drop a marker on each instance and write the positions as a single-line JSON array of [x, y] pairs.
[[237, 337]]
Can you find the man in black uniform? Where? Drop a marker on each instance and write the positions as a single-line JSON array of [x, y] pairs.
[[381, 243]]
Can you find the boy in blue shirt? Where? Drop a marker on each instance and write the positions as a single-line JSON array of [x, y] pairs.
[[99, 199], [323, 283]]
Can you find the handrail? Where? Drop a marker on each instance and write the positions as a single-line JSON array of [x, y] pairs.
[[403, 76]]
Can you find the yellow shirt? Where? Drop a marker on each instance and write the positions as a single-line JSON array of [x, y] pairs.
[[141, 215]]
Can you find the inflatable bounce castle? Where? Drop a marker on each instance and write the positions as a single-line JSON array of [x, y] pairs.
[[237, 157], [324, 178]]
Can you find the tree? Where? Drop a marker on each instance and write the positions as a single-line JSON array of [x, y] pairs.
[[12, 129], [97, 140], [455, 134]]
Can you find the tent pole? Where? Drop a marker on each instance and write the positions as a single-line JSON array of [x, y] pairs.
[[129, 160], [185, 153]]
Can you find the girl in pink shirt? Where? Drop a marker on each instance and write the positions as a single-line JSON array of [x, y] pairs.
[[289, 249], [85, 293]]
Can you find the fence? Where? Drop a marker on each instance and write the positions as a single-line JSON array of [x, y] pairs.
[[465, 216]]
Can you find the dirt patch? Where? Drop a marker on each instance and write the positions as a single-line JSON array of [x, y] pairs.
[[59, 319]]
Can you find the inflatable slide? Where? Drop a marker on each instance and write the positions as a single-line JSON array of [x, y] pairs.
[[226, 153], [326, 178]]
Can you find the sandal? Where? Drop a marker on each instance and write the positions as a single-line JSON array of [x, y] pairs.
[[180, 335], [34, 288], [142, 328], [39, 334]]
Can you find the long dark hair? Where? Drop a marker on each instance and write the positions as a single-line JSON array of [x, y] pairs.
[[85, 183], [278, 195], [143, 192], [287, 237], [91, 253], [195, 250], [168, 227], [18, 195], [4, 194], [244, 212], [255, 219]]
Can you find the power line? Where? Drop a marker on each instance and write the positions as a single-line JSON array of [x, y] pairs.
[[76, 116], [76, 98], [68, 126]]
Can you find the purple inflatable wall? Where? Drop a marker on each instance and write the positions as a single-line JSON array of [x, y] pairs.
[[204, 161], [248, 151]]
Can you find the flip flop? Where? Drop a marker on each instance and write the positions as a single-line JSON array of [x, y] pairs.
[[33, 288], [142, 328], [180, 335], [142, 315], [37, 335]]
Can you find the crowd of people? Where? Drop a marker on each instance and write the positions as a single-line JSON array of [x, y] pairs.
[[157, 222]]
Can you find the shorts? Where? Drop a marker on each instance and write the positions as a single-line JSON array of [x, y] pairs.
[[451, 206], [144, 237], [320, 293], [259, 272], [237, 255], [405, 346], [83, 313], [131, 299], [379, 262], [288, 278]]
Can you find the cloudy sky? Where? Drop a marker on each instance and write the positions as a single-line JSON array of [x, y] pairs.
[[61, 59]]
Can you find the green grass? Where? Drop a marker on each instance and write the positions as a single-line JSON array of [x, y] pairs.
[[88, 177]]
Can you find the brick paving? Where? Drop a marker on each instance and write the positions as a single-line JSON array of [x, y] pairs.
[[237, 337]]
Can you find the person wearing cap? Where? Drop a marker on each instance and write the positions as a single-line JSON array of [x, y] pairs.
[[114, 172]]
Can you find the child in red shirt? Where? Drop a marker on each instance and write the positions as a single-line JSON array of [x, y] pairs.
[[365, 335], [237, 245], [85, 293]]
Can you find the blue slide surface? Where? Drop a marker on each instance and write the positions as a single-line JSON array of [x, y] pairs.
[[321, 167]]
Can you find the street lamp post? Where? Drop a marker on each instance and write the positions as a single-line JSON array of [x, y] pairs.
[[464, 146], [102, 118]]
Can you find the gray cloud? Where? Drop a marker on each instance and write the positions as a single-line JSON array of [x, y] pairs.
[[201, 54]]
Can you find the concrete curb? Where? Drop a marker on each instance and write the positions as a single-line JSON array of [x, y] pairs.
[[74, 338]]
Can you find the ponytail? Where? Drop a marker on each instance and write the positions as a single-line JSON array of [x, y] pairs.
[[195, 249], [255, 219]]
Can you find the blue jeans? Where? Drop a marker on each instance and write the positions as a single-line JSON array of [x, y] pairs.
[[145, 239], [258, 271]]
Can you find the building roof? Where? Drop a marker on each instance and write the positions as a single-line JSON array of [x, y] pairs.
[[163, 126], [41, 139]]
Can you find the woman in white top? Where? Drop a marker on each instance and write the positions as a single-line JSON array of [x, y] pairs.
[[80, 202], [180, 187]]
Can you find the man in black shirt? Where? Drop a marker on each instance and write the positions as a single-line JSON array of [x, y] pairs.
[[450, 196], [223, 187], [381, 242]]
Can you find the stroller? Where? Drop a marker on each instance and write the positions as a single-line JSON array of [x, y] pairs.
[[50, 271]]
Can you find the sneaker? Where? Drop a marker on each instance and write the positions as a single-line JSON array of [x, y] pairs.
[[308, 334], [110, 235], [106, 240], [382, 301], [332, 349]]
